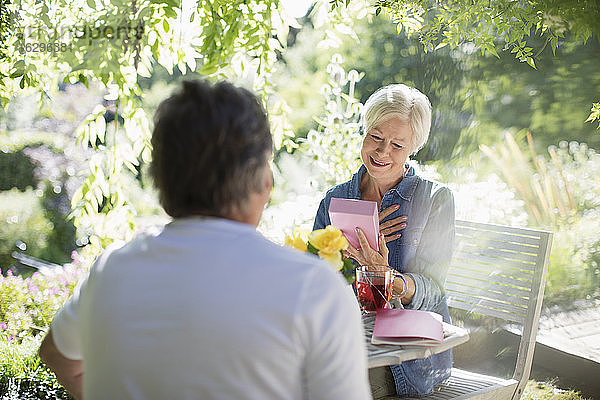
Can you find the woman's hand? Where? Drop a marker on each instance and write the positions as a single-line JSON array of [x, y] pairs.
[[390, 229], [366, 255]]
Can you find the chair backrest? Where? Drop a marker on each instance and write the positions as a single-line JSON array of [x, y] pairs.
[[500, 271]]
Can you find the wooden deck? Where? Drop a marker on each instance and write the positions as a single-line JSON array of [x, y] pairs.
[[567, 350], [575, 331]]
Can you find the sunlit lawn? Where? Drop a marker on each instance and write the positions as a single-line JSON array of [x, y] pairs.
[[546, 391]]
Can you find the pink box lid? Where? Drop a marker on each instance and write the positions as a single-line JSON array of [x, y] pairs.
[[347, 214]]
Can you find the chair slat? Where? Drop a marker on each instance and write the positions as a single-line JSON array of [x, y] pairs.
[[468, 248], [469, 282], [486, 242], [474, 234], [473, 308], [487, 265], [494, 264], [464, 385], [478, 226], [487, 307], [457, 274], [489, 292]]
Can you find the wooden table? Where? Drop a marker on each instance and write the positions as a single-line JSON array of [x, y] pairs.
[[388, 354]]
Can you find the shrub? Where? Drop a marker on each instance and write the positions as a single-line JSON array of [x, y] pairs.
[[61, 240], [22, 221], [16, 170], [561, 191], [547, 391], [335, 145], [573, 270], [33, 164], [34, 221], [27, 305], [23, 376]]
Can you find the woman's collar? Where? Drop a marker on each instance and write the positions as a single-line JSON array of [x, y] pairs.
[[405, 188]]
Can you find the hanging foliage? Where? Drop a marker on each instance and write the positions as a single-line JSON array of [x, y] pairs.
[[113, 43], [494, 25]]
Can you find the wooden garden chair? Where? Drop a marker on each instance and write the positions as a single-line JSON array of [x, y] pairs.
[[497, 271]]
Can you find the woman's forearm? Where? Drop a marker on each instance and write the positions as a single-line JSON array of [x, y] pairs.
[[404, 288], [428, 293]]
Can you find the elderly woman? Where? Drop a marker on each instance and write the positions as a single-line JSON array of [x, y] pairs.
[[416, 224]]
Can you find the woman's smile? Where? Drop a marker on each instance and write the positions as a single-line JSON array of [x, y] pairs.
[[377, 163]]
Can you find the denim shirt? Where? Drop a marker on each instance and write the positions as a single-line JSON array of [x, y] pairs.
[[423, 252]]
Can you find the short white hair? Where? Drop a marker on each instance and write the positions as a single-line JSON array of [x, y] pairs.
[[403, 102]]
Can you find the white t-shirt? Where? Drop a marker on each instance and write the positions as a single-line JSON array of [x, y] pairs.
[[210, 309]]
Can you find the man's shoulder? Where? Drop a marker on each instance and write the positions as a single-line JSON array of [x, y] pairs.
[[297, 264], [138, 243], [290, 257]]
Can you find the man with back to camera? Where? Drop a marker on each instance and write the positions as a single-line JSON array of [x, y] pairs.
[[208, 308]]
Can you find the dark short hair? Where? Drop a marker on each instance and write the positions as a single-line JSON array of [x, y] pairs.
[[210, 146]]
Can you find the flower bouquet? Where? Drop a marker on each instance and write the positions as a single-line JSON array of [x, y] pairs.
[[328, 243]]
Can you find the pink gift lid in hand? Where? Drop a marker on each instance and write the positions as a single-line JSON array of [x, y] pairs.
[[348, 214]]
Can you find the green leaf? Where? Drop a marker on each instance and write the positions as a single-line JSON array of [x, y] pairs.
[[595, 114], [100, 128], [209, 69], [170, 12], [83, 79], [350, 278], [492, 49], [311, 249], [147, 155], [154, 49], [95, 241], [92, 135], [77, 197], [80, 66], [98, 194], [131, 167], [89, 208]]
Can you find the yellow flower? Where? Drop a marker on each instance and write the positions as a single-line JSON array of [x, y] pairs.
[[297, 240], [328, 240], [334, 258]]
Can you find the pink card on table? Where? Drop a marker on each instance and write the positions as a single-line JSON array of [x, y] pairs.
[[407, 327], [347, 214]]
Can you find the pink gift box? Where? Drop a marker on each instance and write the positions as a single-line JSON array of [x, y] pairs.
[[347, 214]]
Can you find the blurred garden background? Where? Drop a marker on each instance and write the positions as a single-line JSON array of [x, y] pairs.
[[514, 85]]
